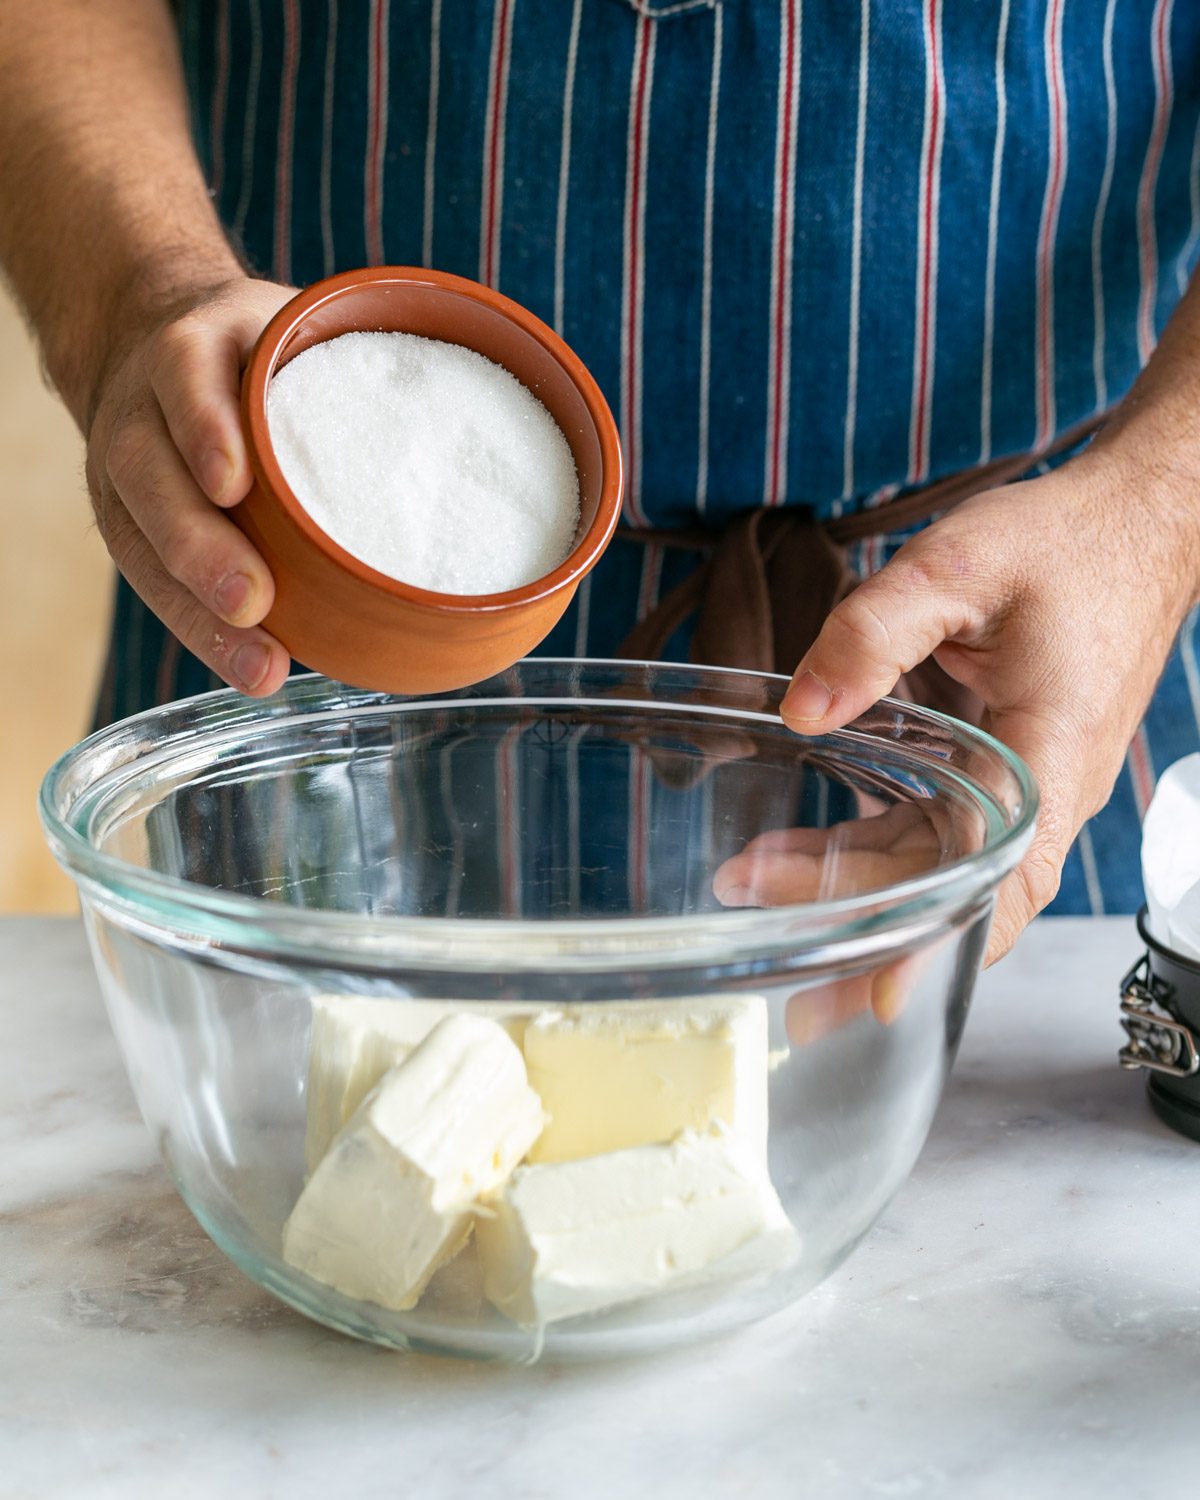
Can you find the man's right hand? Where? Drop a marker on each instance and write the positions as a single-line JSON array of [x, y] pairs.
[[165, 457]]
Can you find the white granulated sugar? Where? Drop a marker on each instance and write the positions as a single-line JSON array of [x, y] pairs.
[[425, 460]]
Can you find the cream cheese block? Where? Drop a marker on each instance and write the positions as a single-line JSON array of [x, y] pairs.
[[639, 1072], [575, 1237], [356, 1040], [391, 1199]]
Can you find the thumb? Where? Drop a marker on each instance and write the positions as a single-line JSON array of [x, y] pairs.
[[883, 629]]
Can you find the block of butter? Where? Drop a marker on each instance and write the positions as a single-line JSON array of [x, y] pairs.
[[575, 1237], [639, 1072], [391, 1199], [356, 1040]]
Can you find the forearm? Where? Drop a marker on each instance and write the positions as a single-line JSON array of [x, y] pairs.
[[1161, 409], [1152, 441], [104, 213]]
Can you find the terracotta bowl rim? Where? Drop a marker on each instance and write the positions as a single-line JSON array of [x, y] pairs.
[[261, 366]]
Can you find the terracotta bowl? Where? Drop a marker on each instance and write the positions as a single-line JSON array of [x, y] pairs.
[[344, 618]]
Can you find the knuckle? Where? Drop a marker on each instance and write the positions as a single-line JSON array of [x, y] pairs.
[[134, 556], [945, 569], [921, 570], [180, 548], [1038, 878], [145, 573], [864, 627], [155, 586], [193, 625], [119, 533], [128, 450], [188, 372], [174, 341], [946, 554], [197, 420], [1097, 799], [1004, 933]]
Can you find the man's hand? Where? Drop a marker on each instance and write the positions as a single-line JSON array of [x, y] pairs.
[[165, 456], [1056, 602], [142, 309]]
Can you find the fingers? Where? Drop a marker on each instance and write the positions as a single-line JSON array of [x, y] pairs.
[[194, 371], [247, 659], [900, 823], [813, 1014], [194, 543], [810, 864], [166, 443], [883, 629], [1064, 787], [781, 878], [1031, 887], [195, 366]]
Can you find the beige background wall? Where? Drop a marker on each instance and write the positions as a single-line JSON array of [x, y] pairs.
[[55, 579]]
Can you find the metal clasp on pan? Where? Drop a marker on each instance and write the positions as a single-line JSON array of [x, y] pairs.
[[1156, 1039]]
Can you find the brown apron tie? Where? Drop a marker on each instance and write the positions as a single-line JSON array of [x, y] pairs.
[[770, 578]]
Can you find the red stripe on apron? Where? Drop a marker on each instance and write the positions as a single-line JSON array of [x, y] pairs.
[[377, 86], [286, 141]]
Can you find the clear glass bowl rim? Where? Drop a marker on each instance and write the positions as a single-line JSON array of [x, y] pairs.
[[200, 916]]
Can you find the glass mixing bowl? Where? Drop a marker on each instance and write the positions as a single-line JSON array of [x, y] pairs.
[[734, 966]]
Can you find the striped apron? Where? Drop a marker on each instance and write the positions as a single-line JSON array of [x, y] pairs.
[[816, 252]]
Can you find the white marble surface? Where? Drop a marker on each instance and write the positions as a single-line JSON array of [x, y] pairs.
[[1024, 1322]]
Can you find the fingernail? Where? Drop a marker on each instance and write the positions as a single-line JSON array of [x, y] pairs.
[[232, 595], [250, 664], [808, 699], [887, 997], [217, 472]]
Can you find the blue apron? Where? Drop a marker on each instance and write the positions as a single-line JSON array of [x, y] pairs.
[[815, 253]]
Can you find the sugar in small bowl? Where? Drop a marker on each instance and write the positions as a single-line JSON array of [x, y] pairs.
[[434, 474]]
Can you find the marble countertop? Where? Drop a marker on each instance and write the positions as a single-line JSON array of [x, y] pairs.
[[1024, 1321]]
